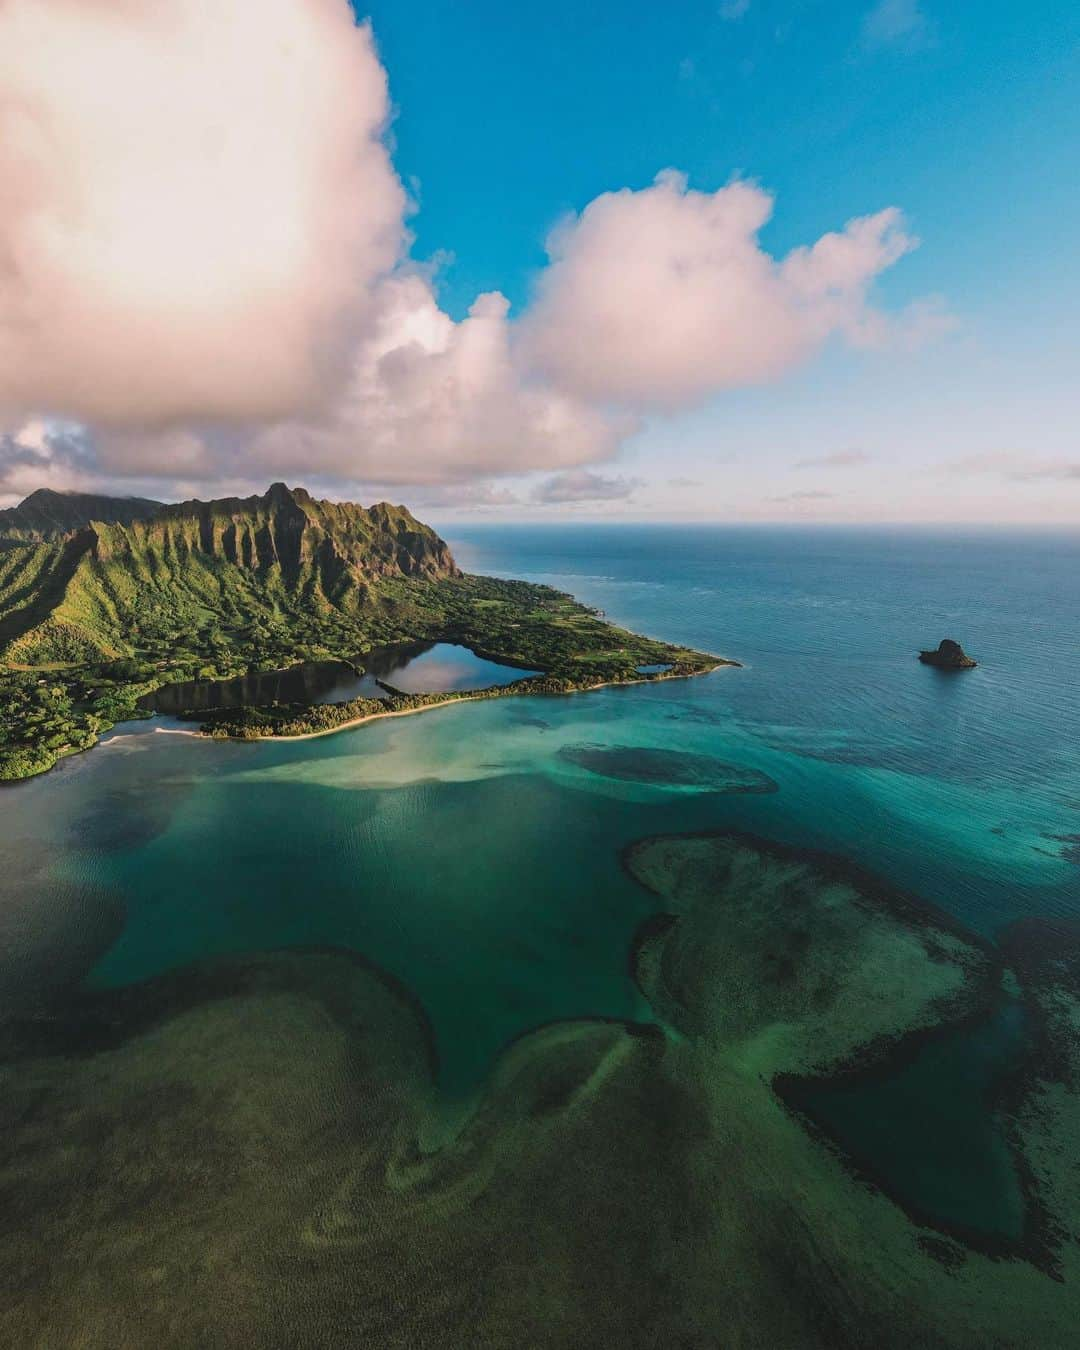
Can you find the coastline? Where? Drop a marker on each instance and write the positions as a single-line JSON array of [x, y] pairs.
[[356, 721], [474, 696], [563, 645]]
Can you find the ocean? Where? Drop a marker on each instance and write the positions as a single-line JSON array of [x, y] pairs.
[[475, 854], [965, 787]]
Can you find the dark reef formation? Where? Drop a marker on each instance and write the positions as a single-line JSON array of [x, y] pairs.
[[949, 655], [666, 768], [231, 1154]]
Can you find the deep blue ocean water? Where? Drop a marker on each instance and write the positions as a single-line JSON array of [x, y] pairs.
[[965, 786], [473, 854]]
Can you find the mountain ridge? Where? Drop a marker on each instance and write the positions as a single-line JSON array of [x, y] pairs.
[[92, 590]]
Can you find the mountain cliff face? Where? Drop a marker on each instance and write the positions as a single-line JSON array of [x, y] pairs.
[[288, 533], [101, 586]]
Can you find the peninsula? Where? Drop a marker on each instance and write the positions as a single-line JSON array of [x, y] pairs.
[[103, 600]]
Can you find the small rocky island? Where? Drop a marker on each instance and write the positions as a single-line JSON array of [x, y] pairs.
[[949, 655]]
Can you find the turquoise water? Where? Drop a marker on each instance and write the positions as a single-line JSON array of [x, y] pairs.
[[473, 851], [963, 786]]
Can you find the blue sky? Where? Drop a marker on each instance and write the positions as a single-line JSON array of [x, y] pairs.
[[965, 116]]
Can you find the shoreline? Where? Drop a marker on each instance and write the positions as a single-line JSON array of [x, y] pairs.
[[355, 722], [474, 696]]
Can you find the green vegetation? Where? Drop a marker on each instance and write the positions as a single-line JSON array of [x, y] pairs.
[[46, 713], [534, 627], [96, 611], [301, 719]]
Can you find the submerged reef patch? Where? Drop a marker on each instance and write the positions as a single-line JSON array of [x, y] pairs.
[[125, 817], [1044, 1099], [820, 976], [828, 960], [666, 768], [1070, 850], [232, 1153]]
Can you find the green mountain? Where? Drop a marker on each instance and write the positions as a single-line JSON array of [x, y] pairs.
[[46, 515], [142, 576], [103, 600]]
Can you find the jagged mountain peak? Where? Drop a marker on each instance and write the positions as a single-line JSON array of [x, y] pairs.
[[88, 581]]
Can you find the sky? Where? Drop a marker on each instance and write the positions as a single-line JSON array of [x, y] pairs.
[[748, 260]]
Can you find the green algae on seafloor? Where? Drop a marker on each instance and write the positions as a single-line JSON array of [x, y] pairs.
[[791, 961], [228, 1154], [784, 968], [283, 1201], [1045, 1102], [804, 968]]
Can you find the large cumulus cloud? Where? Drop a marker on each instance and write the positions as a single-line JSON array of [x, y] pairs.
[[36, 456], [661, 297], [203, 259], [197, 201], [430, 399]]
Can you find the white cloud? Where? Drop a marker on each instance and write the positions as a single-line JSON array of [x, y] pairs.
[[182, 453], [201, 258], [814, 495], [431, 400], [660, 298], [1019, 468], [583, 486], [197, 198], [39, 456], [473, 496], [730, 10]]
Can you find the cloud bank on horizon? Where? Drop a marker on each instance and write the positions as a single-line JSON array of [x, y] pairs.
[[204, 274]]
